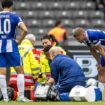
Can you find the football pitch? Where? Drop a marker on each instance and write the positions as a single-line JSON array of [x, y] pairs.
[[53, 103]]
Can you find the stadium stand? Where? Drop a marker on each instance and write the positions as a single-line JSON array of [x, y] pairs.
[[40, 15]]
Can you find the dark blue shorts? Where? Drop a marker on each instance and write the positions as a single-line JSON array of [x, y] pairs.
[[11, 59]]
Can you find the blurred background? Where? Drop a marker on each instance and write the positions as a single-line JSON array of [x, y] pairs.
[[40, 15]]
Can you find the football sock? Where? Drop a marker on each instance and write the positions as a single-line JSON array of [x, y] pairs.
[[3, 86], [20, 85], [101, 86]]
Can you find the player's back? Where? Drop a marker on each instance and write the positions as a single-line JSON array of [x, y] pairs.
[[96, 34], [8, 23]]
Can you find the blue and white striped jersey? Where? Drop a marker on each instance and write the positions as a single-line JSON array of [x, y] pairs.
[[8, 23], [95, 37]]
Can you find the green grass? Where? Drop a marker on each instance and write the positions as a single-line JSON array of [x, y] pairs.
[[53, 103]]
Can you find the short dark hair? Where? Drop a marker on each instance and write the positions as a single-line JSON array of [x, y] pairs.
[[50, 37], [6, 3], [47, 48]]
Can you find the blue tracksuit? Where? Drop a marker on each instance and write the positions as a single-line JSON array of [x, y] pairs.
[[67, 73], [94, 38]]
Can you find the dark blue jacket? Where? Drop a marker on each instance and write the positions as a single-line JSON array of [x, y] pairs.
[[66, 72]]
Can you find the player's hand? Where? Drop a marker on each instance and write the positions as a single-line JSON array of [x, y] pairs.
[[50, 81], [100, 68]]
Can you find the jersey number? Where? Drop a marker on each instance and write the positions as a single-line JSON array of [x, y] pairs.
[[5, 26]]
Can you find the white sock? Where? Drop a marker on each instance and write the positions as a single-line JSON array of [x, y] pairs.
[[101, 86], [3, 86], [20, 85]]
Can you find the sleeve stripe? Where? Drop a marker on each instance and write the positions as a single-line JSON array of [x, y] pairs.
[[20, 23], [98, 43]]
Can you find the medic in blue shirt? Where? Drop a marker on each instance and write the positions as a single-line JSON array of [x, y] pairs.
[[65, 72]]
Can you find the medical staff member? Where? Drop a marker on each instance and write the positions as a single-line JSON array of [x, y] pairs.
[[44, 62], [31, 65], [65, 72]]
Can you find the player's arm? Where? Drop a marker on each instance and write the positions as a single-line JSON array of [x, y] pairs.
[[95, 54], [101, 69], [24, 31], [19, 22], [101, 50], [54, 74]]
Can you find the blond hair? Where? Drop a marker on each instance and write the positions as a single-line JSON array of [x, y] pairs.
[[55, 50], [78, 31]]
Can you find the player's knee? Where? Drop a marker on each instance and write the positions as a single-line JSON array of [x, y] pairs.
[[2, 71], [19, 70]]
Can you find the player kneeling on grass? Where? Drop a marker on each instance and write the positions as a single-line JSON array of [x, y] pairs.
[[65, 72]]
